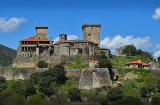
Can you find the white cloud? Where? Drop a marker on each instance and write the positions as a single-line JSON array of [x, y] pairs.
[[118, 41], [157, 47], [11, 24], [69, 37], [156, 16], [156, 54]]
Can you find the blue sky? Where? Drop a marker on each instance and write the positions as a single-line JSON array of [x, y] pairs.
[[122, 21]]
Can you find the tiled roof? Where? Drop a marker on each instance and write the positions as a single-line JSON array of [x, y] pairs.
[[138, 62], [32, 39], [72, 41], [94, 61]]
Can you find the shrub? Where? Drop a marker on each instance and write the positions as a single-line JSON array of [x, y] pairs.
[[42, 64], [74, 94]]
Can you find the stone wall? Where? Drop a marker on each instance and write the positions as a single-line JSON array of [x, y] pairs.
[[15, 74], [91, 79]]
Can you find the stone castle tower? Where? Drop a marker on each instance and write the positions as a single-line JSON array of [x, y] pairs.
[[91, 32], [41, 32]]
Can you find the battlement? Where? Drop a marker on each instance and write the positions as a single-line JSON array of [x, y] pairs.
[[41, 27], [91, 25]]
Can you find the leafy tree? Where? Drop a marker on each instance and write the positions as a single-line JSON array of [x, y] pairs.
[[158, 58], [128, 100], [155, 100], [74, 94], [36, 77], [143, 91], [151, 88], [47, 86], [149, 79], [114, 94], [158, 85], [25, 88], [3, 83], [17, 99], [130, 50], [29, 88], [102, 52], [58, 73], [104, 63], [42, 64]]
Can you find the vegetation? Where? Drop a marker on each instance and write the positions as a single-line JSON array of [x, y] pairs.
[[42, 64], [104, 63], [6, 56], [52, 87]]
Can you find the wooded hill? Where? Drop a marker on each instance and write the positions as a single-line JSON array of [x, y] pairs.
[[6, 55]]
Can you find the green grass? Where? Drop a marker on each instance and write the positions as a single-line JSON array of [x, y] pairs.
[[141, 72]]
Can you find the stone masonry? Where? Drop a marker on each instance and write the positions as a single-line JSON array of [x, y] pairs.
[[91, 32]]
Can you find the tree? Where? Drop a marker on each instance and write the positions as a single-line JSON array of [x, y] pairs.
[[25, 88], [58, 73], [155, 100], [128, 100], [143, 91], [130, 50], [3, 83], [42, 64], [158, 58], [158, 85], [104, 63], [29, 88], [114, 94], [47, 86], [74, 94]]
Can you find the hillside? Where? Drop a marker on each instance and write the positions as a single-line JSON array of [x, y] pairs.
[[6, 55]]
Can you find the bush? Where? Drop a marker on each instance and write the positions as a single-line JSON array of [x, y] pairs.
[[42, 64], [104, 63], [128, 101], [143, 91], [74, 94], [115, 94], [155, 100]]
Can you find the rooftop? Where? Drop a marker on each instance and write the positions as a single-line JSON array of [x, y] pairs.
[[72, 41], [137, 62], [33, 39]]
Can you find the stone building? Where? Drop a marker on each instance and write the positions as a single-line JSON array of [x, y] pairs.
[[107, 52], [91, 32], [36, 44], [73, 47], [120, 50]]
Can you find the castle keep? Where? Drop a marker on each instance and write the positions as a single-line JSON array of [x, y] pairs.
[[91, 32]]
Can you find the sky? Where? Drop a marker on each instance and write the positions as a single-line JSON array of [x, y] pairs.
[[122, 22]]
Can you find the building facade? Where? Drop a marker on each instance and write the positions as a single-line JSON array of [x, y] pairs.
[[36, 44], [73, 47], [91, 32], [120, 50]]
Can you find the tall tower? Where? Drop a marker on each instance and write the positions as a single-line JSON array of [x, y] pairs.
[[42, 32], [91, 32]]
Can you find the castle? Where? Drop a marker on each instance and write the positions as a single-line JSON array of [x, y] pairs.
[[36, 44], [39, 45]]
